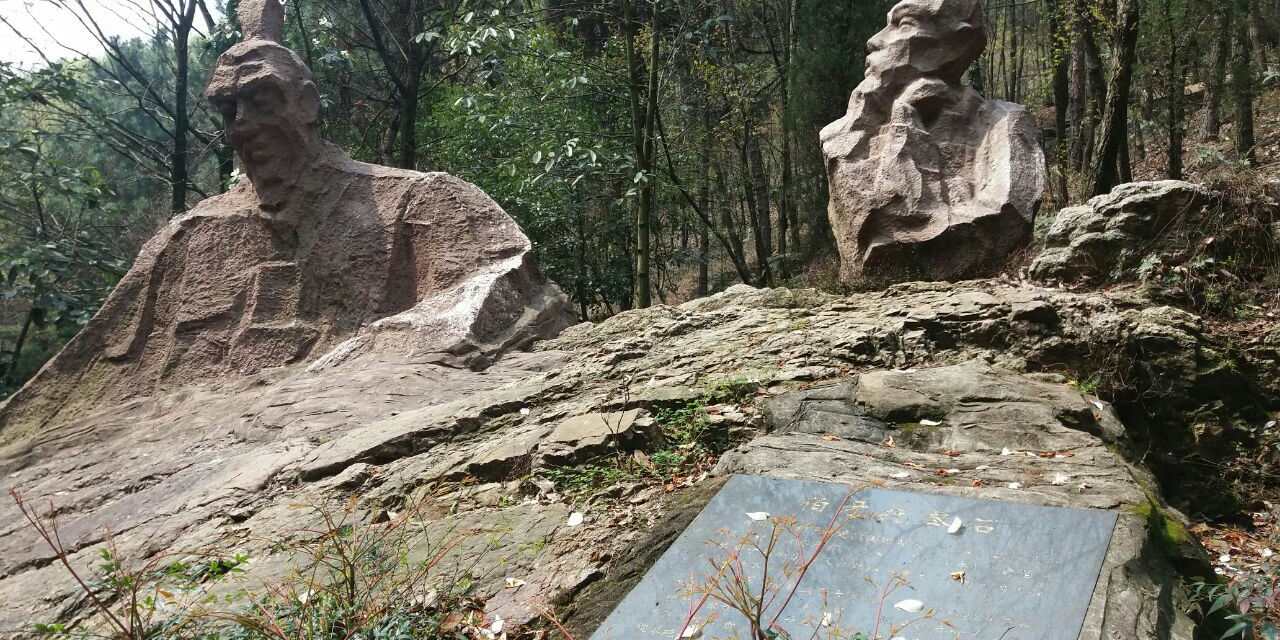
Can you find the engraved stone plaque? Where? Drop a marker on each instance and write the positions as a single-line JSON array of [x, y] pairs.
[[970, 569]]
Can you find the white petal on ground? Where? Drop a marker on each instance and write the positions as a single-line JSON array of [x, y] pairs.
[[1006, 452], [515, 583], [826, 618], [956, 526], [1059, 480], [1015, 485], [1099, 405], [910, 606], [982, 467], [758, 516], [524, 412], [952, 472], [576, 518], [901, 475], [692, 631], [930, 423], [497, 625], [1267, 553], [1224, 558]]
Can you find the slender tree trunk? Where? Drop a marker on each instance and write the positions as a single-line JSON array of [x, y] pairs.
[[178, 176], [1061, 56], [11, 377], [1175, 91], [1211, 125], [408, 119], [758, 202], [1114, 141], [1242, 84], [1097, 83], [643, 120], [1079, 103]]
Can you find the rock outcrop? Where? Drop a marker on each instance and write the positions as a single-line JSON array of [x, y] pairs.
[[830, 381], [315, 257], [1108, 238], [929, 180]]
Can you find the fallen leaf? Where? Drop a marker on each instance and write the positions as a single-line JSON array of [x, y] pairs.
[[958, 576], [514, 583], [889, 443], [952, 453], [830, 438], [977, 484]]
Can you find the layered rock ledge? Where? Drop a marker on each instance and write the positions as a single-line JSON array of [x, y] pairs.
[[821, 385]]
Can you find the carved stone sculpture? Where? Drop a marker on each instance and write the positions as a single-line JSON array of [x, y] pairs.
[[316, 258], [927, 178]]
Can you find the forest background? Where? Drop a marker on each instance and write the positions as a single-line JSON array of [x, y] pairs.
[[654, 150]]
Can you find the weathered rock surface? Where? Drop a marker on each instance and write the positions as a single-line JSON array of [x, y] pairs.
[[999, 435], [225, 466], [315, 257], [928, 180], [1109, 237]]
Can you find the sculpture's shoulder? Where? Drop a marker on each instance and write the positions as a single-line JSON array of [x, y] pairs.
[[1015, 117]]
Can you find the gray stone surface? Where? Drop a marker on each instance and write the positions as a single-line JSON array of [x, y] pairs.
[[222, 466], [928, 180], [1001, 436], [1008, 570], [1108, 237]]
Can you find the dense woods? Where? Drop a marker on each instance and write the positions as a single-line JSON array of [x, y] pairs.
[[654, 150]]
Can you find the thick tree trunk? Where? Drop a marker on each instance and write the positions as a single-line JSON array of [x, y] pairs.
[[1114, 139]]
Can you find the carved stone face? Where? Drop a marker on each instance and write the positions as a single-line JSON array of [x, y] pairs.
[[927, 38], [271, 106]]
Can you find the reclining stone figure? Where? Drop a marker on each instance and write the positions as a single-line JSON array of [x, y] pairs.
[[316, 258], [927, 178]]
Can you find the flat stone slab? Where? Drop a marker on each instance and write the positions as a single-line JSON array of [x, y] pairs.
[[1009, 571]]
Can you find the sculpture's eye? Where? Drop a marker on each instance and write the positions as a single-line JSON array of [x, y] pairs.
[[227, 108], [908, 22]]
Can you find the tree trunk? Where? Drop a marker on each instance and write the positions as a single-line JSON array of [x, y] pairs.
[[1242, 85], [1107, 170], [1061, 95], [408, 119], [1175, 96], [178, 176], [1211, 125], [758, 201], [11, 377]]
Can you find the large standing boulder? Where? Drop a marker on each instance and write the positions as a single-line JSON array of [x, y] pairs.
[[1108, 237], [929, 180], [291, 265]]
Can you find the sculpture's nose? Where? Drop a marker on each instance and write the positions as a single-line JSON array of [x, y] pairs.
[[876, 43]]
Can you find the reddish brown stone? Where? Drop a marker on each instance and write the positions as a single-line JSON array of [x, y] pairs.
[[316, 257], [929, 180]]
